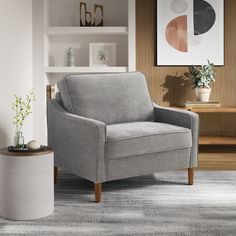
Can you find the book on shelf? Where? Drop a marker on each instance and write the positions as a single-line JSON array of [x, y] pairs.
[[52, 90], [202, 104]]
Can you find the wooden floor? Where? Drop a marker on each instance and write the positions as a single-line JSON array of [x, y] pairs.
[[217, 158]]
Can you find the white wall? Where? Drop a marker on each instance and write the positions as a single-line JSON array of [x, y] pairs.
[[39, 77], [15, 63]]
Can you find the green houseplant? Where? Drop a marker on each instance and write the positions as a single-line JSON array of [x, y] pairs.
[[203, 78], [22, 109]]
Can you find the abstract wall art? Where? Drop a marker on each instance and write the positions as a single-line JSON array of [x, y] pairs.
[[189, 32]]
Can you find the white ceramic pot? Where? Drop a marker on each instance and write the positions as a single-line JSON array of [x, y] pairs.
[[203, 94]]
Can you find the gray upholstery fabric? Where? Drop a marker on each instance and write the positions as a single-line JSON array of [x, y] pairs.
[[110, 98], [111, 130], [146, 164], [78, 142], [138, 138], [184, 119]]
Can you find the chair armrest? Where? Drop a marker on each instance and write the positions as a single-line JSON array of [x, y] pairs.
[[184, 119], [78, 142]]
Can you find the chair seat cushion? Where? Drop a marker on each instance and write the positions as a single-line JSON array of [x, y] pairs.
[[138, 138]]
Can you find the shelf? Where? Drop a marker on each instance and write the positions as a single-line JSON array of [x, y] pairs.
[[86, 30], [212, 109], [86, 69], [217, 161], [217, 140], [208, 109], [218, 157]]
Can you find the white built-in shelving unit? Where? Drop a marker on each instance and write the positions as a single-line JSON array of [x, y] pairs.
[[62, 30], [56, 27]]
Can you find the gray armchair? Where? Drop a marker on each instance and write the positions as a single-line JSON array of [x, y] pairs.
[[105, 127]]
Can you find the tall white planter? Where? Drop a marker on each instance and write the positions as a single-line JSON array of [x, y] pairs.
[[203, 94]]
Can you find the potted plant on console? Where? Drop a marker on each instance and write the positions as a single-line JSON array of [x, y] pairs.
[[203, 78]]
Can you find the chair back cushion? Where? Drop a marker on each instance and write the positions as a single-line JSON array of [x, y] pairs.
[[110, 98]]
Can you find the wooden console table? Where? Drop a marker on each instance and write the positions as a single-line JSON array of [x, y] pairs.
[[215, 140], [216, 152]]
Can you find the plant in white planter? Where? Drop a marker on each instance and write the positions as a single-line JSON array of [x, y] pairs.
[[203, 78]]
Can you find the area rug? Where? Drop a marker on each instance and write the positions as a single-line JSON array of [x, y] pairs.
[[159, 204]]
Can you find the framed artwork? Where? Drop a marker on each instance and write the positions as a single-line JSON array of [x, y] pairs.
[[189, 32], [102, 54]]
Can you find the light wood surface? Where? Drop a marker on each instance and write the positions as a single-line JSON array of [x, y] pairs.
[[217, 161], [217, 140], [169, 87], [212, 109], [217, 157], [216, 122]]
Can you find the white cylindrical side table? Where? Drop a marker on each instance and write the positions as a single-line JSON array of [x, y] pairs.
[[26, 184]]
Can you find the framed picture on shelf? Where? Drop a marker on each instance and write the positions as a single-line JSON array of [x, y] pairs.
[[102, 54], [190, 32]]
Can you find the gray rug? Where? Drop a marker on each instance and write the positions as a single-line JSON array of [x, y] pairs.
[[160, 204]]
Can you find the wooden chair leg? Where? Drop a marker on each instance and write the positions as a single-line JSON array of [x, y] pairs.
[[55, 175], [98, 192], [190, 176]]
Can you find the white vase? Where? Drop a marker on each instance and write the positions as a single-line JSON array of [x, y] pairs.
[[70, 57], [203, 94]]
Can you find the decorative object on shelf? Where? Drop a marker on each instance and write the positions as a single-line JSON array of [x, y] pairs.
[[102, 54], [88, 18], [25, 149], [22, 109], [202, 104], [186, 27], [82, 13], [203, 78], [33, 145], [98, 15], [52, 90], [70, 57]]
